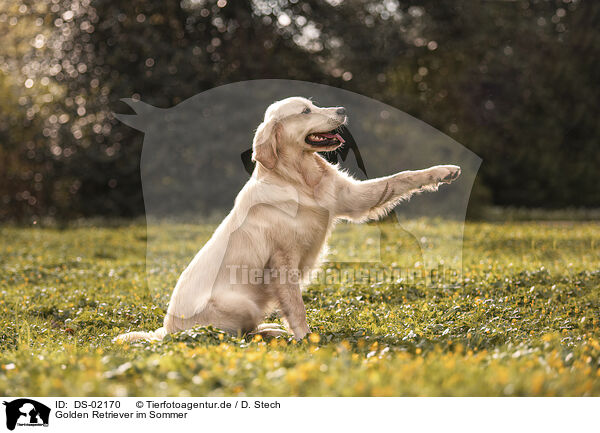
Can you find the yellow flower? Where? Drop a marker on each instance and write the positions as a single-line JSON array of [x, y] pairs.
[[537, 383]]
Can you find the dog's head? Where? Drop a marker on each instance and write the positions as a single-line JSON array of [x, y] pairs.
[[296, 125]]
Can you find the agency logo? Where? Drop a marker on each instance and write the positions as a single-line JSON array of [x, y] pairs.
[[191, 169], [26, 412]]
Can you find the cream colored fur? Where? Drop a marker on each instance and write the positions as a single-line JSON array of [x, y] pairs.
[[280, 221]]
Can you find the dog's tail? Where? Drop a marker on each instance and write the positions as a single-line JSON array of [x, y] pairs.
[[157, 335]]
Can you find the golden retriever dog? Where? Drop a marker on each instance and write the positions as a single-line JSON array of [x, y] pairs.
[[279, 225]]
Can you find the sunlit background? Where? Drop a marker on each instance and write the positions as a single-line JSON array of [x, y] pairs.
[[516, 82]]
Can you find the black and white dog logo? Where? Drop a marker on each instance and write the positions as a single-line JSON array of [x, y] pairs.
[[26, 412]]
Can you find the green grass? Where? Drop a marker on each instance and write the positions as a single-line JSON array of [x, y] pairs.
[[523, 319]]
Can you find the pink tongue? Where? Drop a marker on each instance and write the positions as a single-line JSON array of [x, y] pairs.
[[336, 136]]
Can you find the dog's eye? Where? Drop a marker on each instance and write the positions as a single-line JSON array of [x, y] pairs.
[[306, 111]]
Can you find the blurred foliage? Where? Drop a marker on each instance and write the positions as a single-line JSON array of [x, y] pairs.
[[522, 320], [516, 82]]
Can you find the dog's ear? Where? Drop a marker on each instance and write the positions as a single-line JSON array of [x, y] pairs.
[[264, 146]]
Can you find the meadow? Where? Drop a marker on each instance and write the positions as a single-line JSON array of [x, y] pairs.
[[521, 319]]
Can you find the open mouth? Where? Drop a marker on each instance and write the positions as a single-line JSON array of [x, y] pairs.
[[324, 139]]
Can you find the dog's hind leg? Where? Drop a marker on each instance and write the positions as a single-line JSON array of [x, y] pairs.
[[230, 311], [157, 335], [270, 330]]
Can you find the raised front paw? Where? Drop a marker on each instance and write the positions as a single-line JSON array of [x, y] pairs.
[[446, 173]]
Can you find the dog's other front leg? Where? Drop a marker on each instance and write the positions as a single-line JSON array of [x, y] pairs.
[[371, 199], [293, 310], [285, 285]]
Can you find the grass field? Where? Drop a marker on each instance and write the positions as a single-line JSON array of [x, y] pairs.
[[522, 319]]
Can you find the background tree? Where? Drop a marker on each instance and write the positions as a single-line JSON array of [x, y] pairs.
[[516, 82]]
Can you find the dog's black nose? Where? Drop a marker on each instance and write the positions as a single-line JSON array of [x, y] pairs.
[[341, 111]]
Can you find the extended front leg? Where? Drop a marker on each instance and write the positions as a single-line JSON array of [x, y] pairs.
[[371, 199]]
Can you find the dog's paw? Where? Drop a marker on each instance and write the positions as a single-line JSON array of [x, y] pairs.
[[270, 330], [300, 333], [447, 173]]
